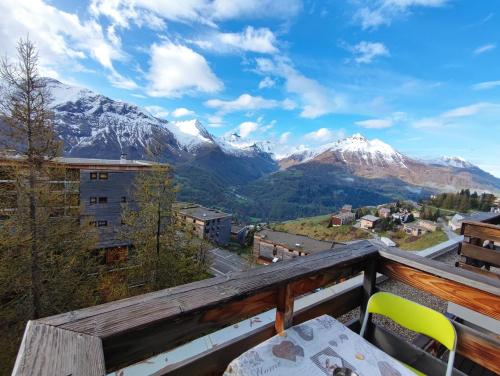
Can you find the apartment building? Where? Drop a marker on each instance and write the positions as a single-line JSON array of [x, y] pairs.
[[209, 224], [95, 190]]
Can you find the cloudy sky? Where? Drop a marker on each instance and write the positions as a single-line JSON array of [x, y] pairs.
[[422, 75]]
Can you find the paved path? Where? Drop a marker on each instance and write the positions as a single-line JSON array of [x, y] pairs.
[[224, 262]]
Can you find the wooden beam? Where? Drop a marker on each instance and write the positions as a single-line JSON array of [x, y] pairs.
[[284, 309], [475, 269], [484, 231], [491, 256], [215, 360], [369, 280], [139, 327], [470, 297], [46, 350], [480, 347]]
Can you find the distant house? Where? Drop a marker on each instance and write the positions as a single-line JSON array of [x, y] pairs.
[[346, 209], [428, 225], [210, 224], [342, 218], [402, 217], [239, 233], [414, 229], [456, 222], [388, 242], [269, 245], [369, 221], [384, 213]]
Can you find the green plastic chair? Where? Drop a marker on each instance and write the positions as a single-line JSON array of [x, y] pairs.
[[415, 317]]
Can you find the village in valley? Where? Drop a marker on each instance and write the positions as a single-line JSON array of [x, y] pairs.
[[407, 225]]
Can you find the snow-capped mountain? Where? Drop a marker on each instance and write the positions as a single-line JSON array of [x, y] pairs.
[[354, 150], [91, 124], [376, 159], [233, 143], [457, 162]]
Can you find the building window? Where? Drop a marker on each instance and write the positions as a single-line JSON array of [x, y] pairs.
[[103, 200], [93, 176], [102, 223], [124, 199], [93, 200], [103, 176]]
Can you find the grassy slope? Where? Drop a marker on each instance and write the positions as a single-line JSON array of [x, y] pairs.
[[316, 227], [413, 243]]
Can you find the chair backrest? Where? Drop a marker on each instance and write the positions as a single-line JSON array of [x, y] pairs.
[[415, 317]]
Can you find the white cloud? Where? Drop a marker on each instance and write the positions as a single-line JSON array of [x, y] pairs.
[[382, 12], [260, 40], [61, 37], [324, 135], [157, 111], [266, 82], [382, 123], [247, 127], [244, 102], [152, 13], [284, 137], [181, 112], [215, 121], [486, 85], [375, 123], [485, 48], [315, 99], [176, 70], [484, 110], [365, 52]]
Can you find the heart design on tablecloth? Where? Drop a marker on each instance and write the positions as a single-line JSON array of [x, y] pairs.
[[305, 332], [287, 350]]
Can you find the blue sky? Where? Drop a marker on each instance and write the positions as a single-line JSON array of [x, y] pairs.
[[421, 75]]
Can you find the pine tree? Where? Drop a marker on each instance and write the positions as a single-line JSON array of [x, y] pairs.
[[45, 260], [165, 252]]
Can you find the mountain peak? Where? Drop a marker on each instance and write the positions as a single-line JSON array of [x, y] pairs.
[[454, 161]]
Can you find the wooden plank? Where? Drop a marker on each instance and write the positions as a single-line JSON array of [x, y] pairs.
[[437, 268], [46, 350], [142, 326], [475, 269], [478, 346], [475, 299], [484, 231], [491, 256], [369, 280], [407, 353], [215, 360], [284, 309]]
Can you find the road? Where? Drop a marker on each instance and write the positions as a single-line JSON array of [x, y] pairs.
[[224, 262]]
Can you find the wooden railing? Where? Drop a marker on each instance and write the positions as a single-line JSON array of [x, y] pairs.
[[103, 338], [477, 251]]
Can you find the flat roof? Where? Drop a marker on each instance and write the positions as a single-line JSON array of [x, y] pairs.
[[202, 213], [87, 162], [370, 218], [290, 241]]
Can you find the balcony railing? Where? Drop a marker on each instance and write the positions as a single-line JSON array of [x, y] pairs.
[[478, 252], [104, 338]]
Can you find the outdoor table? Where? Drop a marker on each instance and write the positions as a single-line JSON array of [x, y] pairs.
[[316, 347]]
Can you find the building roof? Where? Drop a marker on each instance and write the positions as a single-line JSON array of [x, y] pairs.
[[347, 206], [343, 215], [370, 218], [414, 225], [235, 228], [294, 242], [385, 210], [87, 163], [202, 213]]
